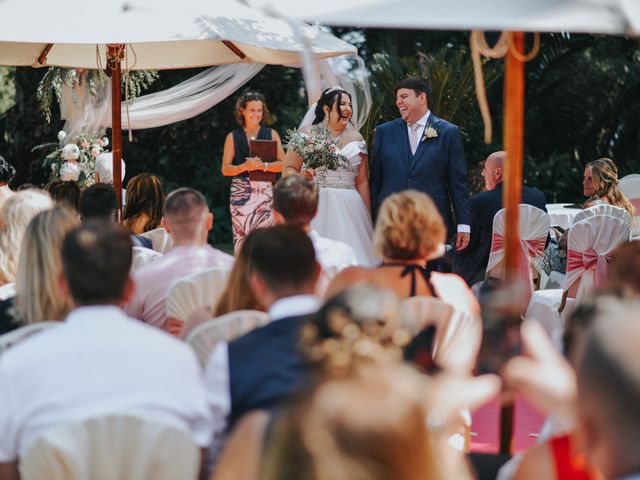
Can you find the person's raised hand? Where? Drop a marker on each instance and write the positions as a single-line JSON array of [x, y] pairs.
[[541, 374]]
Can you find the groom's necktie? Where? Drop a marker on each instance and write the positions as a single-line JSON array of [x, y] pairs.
[[413, 137]]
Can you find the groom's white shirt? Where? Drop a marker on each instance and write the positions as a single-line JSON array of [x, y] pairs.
[[420, 131]]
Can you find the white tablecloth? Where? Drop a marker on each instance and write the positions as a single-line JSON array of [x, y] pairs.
[[560, 215]]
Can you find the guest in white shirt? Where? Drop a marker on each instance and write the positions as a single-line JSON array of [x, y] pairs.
[[295, 202], [98, 361], [260, 369], [188, 220]]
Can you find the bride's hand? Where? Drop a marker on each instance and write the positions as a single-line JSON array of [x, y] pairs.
[[253, 163], [309, 173]]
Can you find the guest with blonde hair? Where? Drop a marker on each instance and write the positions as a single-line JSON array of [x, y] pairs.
[[37, 293], [15, 215], [409, 233], [600, 185]]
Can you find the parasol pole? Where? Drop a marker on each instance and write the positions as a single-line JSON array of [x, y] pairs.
[[115, 54], [513, 131]]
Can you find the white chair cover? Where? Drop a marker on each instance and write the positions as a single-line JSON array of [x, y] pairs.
[[8, 290], [142, 256], [458, 333], [9, 339], [630, 186], [603, 209], [112, 448], [160, 239], [197, 290], [534, 228], [226, 327], [589, 245]]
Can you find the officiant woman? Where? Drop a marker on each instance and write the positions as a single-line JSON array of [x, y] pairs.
[[253, 177]]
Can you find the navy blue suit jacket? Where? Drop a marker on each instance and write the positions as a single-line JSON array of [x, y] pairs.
[[438, 168], [471, 263]]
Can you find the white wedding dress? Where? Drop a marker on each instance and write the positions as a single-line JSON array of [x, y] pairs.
[[342, 214]]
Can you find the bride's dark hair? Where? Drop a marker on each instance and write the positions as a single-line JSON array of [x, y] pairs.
[[330, 98]]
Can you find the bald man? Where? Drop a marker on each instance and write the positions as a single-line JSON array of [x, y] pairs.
[[471, 263]]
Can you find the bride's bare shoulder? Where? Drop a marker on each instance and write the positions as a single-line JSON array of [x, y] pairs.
[[352, 136]]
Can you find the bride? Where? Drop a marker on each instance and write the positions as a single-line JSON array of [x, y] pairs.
[[344, 210]]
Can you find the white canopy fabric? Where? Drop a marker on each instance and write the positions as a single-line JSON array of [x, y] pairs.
[[156, 38], [589, 16]]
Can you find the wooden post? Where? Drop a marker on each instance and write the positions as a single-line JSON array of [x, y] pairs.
[[512, 190], [115, 54]]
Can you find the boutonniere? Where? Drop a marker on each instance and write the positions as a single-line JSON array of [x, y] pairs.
[[429, 132]]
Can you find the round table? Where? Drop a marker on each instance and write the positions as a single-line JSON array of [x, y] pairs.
[[560, 215]]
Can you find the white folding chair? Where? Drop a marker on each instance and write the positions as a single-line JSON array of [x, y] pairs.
[[196, 290], [115, 447], [143, 256], [630, 186], [534, 228], [16, 336], [161, 241], [226, 327], [590, 243], [458, 333]]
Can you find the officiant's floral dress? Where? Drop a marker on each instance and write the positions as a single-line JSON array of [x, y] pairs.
[[251, 200]]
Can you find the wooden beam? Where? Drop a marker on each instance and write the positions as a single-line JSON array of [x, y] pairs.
[[115, 54], [231, 46], [42, 59]]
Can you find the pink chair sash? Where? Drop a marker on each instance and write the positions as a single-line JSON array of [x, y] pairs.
[[589, 260], [528, 249]]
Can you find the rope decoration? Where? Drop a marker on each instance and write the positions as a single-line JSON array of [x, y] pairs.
[[503, 46]]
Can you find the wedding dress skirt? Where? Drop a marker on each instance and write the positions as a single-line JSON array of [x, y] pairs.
[[342, 214]]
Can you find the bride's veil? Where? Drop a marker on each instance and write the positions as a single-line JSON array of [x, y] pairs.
[[349, 73]]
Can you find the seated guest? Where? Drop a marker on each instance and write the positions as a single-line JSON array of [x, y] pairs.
[[15, 215], [471, 263], [188, 220], [409, 233], [295, 202], [39, 268], [7, 172], [144, 205], [66, 193], [600, 185], [260, 369], [98, 361], [98, 202]]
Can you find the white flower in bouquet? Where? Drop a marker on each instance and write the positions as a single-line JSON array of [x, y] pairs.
[[54, 167], [96, 150], [62, 135], [70, 171], [70, 152]]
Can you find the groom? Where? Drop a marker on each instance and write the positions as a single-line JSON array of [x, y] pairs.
[[422, 152]]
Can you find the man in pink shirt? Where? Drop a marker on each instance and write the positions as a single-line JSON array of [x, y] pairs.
[[188, 220]]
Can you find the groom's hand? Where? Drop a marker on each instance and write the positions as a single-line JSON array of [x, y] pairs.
[[462, 240]]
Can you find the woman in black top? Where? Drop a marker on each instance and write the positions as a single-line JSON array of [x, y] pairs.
[[251, 198]]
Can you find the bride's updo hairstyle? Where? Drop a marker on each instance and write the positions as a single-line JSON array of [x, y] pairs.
[[409, 227], [330, 98], [244, 99]]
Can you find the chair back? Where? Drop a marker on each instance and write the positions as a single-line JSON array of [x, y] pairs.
[[458, 333], [16, 336], [534, 228], [199, 289], [226, 328], [603, 209], [117, 447], [161, 241], [590, 243], [142, 256]]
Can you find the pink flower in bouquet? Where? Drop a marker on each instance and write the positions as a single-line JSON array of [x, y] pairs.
[[99, 142], [95, 151], [85, 144]]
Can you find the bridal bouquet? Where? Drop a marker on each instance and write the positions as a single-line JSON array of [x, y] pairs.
[[318, 149], [76, 160]]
